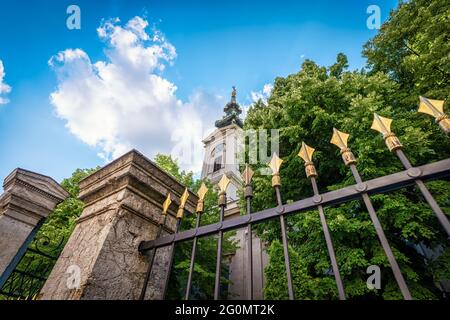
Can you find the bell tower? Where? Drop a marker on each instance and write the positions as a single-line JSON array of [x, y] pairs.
[[222, 153]]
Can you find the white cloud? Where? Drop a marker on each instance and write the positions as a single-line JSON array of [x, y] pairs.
[[124, 102], [262, 95], [4, 88]]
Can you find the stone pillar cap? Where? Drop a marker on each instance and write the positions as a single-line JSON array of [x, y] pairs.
[[133, 169], [38, 182]]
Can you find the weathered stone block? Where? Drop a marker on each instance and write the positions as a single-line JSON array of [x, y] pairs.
[[123, 204]]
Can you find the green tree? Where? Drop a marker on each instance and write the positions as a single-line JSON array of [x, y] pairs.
[[61, 221], [305, 107], [413, 48]]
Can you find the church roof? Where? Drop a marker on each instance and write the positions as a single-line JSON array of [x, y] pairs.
[[232, 111]]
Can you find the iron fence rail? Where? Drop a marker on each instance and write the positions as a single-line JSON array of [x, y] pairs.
[[436, 170], [360, 190]]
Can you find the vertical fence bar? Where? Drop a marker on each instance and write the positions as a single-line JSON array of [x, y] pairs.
[[382, 237], [200, 209], [223, 184], [275, 165], [248, 194], [170, 263], [383, 125], [306, 153], [151, 261], [340, 140], [166, 205], [191, 266]]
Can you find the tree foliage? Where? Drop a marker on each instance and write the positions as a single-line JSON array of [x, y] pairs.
[[61, 222], [413, 48]]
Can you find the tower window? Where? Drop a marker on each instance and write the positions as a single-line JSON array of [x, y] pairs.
[[217, 151], [217, 155], [217, 164]]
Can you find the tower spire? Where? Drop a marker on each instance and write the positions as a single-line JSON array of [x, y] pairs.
[[232, 111]]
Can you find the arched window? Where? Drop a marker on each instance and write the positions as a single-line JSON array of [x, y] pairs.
[[217, 155]]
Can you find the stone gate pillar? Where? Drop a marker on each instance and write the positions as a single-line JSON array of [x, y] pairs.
[[28, 199], [123, 204]]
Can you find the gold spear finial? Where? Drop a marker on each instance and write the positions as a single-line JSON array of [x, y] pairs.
[[201, 198], [202, 191], [435, 108], [183, 199], [340, 140], [247, 175], [166, 204], [223, 183], [432, 107], [383, 125], [306, 153], [275, 164]]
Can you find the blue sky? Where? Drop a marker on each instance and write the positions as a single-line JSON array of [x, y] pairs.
[[218, 44]]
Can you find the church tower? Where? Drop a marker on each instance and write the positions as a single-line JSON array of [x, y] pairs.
[[222, 154]]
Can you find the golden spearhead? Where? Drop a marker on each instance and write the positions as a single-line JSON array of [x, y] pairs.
[[432, 107], [201, 198], [435, 108], [202, 192], [166, 204], [275, 164], [247, 175], [381, 124], [183, 199], [339, 139], [306, 152], [223, 184]]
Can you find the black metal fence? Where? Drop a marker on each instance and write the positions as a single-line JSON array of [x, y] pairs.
[[361, 190], [32, 267]]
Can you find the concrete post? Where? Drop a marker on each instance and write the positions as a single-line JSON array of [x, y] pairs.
[[123, 204]]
